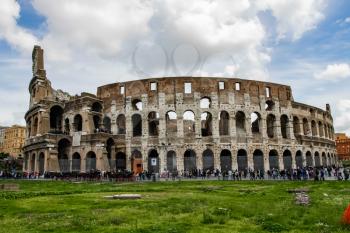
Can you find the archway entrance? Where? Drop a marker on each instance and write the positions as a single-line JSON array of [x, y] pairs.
[[242, 160], [258, 160], [208, 160], [136, 162], [225, 161], [153, 161]]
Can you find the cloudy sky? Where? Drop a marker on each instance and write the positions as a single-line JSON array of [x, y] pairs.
[[87, 43]]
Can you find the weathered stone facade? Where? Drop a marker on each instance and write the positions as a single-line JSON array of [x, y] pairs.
[[173, 123]]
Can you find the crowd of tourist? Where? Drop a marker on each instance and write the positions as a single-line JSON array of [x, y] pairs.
[[306, 173]]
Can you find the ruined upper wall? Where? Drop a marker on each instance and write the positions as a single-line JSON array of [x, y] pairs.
[[205, 86]]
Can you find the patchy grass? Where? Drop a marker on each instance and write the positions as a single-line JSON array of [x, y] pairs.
[[174, 207]]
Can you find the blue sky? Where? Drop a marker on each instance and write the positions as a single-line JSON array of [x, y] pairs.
[[302, 43]]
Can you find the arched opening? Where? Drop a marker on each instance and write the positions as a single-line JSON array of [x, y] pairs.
[[76, 162], [29, 129], [296, 126], [240, 124], [153, 123], [35, 127], [26, 162], [136, 125], [324, 159], [56, 114], [309, 160], [306, 127], [78, 123], [171, 123], [41, 163], [96, 107], [121, 124], [273, 159], [255, 122], [224, 123], [313, 128], [153, 161], [326, 134], [208, 160], [206, 124], [190, 160], [270, 125], [242, 160], [258, 160], [320, 129], [97, 121], [287, 160], [317, 159], [284, 126], [32, 163], [107, 124], [110, 148], [90, 161], [136, 161], [225, 161], [269, 105], [171, 161], [63, 151], [189, 124], [137, 105], [66, 126], [299, 159], [329, 160], [120, 163], [205, 102]]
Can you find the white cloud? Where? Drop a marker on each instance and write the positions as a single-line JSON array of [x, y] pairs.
[[90, 43], [17, 37], [347, 20], [342, 120], [334, 72], [296, 17]]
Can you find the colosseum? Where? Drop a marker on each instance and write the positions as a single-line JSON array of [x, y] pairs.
[[173, 123]]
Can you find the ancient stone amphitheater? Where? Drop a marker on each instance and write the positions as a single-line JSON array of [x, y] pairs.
[[180, 123]]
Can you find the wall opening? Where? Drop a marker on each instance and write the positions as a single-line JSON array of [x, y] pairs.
[[224, 123], [205, 102], [242, 160], [208, 160], [136, 125], [78, 123], [206, 124], [255, 122], [258, 160], [171, 123], [190, 161], [270, 125], [284, 126], [96, 107], [137, 105], [273, 160], [240, 124], [189, 124], [153, 161], [56, 115], [121, 124], [153, 123]]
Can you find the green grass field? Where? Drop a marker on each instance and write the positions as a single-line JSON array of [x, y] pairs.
[[187, 206]]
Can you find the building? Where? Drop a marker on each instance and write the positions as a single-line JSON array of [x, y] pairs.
[[2, 138], [14, 140], [343, 146], [181, 123]]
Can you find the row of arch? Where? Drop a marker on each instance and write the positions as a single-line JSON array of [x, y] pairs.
[[189, 160], [206, 124]]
